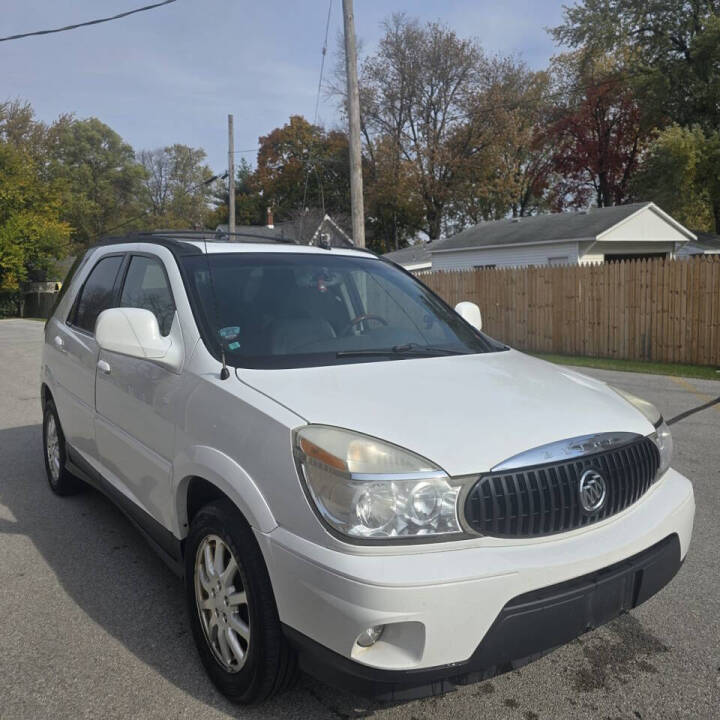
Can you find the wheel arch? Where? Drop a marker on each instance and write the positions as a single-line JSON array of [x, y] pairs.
[[205, 474], [45, 395]]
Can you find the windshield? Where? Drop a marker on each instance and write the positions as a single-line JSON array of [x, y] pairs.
[[281, 310]]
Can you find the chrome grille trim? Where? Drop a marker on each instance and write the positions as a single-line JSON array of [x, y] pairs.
[[543, 499], [566, 449]]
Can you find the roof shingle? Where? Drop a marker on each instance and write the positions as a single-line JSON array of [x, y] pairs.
[[539, 228]]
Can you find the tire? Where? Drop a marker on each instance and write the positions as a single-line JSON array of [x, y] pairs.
[[61, 481], [267, 665]]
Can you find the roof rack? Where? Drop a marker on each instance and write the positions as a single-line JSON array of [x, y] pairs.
[[173, 239], [216, 236]]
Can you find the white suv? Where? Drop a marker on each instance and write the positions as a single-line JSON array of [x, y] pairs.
[[349, 474]]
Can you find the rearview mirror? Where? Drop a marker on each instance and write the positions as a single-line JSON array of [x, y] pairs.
[[470, 312], [135, 332]]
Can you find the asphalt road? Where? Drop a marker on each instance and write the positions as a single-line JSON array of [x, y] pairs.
[[92, 624]]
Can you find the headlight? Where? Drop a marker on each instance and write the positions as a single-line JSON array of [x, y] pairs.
[[662, 436], [367, 488]]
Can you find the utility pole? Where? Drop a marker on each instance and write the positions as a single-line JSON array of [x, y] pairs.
[[353, 100], [231, 175]]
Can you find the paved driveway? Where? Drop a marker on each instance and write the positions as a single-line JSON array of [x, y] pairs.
[[92, 624]]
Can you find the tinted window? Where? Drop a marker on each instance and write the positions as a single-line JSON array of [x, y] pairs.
[[146, 287], [96, 294], [293, 310]]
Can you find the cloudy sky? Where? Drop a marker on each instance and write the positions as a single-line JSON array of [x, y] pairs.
[[174, 73]]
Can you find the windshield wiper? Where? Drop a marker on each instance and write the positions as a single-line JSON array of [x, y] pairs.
[[409, 349]]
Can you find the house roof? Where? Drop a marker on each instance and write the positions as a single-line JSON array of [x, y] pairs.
[[418, 254], [709, 242], [278, 231], [546, 228], [291, 230]]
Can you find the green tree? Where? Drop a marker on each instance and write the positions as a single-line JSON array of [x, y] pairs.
[[681, 173], [102, 178], [672, 50], [32, 235], [250, 208]]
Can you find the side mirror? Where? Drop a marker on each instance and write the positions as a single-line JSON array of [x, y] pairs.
[[470, 312], [135, 332]]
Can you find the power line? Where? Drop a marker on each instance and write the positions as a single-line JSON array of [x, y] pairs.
[[85, 24], [322, 63], [317, 108]]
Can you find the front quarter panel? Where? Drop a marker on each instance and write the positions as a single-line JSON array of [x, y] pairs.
[[240, 440]]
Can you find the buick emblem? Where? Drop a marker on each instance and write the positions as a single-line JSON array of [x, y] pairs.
[[592, 491]]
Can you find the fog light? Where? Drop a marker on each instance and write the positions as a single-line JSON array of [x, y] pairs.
[[370, 636]]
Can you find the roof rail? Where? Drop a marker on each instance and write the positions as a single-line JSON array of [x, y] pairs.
[[219, 236], [174, 239]]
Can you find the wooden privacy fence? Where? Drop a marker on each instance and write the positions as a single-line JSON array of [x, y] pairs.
[[659, 310]]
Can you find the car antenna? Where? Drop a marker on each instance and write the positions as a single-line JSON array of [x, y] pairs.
[[224, 372]]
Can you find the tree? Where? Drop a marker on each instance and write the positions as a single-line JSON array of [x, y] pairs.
[[681, 173], [302, 165], [250, 209], [394, 210], [416, 94], [672, 49], [32, 235], [102, 178], [599, 134], [175, 188], [510, 160]]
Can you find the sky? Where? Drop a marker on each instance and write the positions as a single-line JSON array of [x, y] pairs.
[[172, 75]]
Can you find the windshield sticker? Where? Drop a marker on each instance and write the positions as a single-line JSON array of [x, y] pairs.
[[229, 333], [233, 346]]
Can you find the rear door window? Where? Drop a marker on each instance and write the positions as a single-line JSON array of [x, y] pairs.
[[96, 294], [146, 286]]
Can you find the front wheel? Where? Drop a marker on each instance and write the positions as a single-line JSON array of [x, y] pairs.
[[232, 609]]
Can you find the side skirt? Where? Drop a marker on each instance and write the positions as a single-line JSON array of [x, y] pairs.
[[160, 539]]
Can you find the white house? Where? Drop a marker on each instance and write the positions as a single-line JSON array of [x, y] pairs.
[[569, 238]]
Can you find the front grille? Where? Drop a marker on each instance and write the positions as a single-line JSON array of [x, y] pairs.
[[544, 499]]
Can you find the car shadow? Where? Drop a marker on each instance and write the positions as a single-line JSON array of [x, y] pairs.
[[109, 571]]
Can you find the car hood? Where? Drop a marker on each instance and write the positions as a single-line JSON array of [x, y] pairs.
[[465, 413]]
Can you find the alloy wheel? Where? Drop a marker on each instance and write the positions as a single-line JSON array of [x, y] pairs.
[[222, 603]]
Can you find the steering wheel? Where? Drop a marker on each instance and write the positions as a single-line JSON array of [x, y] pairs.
[[362, 318]]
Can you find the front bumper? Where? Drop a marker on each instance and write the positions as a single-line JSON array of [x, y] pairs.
[[526, 628], [472, 608]]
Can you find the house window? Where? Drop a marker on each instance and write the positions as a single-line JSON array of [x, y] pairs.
[[484, 267], [559, 260]]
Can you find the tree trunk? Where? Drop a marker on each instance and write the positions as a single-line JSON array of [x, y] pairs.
[[433, 214]]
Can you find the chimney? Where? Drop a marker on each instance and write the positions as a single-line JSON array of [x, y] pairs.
[[270, 218]]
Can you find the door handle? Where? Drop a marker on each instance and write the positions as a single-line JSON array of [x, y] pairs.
[[103, 367], [59, 343]]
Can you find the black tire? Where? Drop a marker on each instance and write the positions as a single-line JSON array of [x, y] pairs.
[[61, 481], [270, 665]]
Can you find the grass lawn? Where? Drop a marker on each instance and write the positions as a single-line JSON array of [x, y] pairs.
[[690, 371]]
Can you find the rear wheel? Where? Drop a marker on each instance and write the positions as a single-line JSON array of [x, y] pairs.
[[61, 481], [232, 608]]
